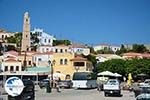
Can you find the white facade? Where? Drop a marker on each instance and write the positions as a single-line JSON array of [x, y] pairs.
[[55, 49], [44, 38], [42, 59], [84, 51], [102, 47], [42, 49], [11, 66], [104, 57], [115, 48], [4, 35]]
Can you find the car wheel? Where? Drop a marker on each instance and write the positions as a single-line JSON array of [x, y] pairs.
[[106, 95]]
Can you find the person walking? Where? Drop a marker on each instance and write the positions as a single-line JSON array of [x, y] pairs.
[[57, 84]]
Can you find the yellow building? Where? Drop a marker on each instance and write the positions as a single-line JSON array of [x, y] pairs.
[[66, 63], [63, 63]]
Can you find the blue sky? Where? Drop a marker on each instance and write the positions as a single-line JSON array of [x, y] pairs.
[[83, 21]]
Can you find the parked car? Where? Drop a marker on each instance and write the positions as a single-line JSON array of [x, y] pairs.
[[112, 87], [65, 84], [144, 89], [28, 92], [43, 83], [146, 82]]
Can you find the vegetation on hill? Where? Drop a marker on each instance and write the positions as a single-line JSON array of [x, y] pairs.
[[17, 40], [61, 42], [123, 67]]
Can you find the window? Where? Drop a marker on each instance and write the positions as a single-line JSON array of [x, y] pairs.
[[29, 62], [56, 50], [66, 61], [17, 68], [39, 59], [11, 68], [61, 50], [47, 49], [65, 50], [78, 63], [49, 40], [45, 40], [2, 36], [26, 36], [61, 61], [6, 68]]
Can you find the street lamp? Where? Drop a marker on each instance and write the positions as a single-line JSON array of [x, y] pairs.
[[51, 63]]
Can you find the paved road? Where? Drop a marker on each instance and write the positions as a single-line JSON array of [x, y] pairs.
[[71, 94]]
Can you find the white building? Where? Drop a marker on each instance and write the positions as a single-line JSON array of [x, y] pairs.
[[106, 46], [55, 49], [44, 38], [42, 59], [11, 65], [104, 57], [114, 48], [10, 62], [4, 35], [80, 49]]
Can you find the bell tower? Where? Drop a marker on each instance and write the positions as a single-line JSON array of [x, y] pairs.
[[25, 45]]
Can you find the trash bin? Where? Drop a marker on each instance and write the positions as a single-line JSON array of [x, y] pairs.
[[48, 88], [28, 92]]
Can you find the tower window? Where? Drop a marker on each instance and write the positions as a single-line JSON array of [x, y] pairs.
[[26, 36]]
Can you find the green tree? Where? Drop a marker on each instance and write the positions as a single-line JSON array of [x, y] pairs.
[[114, 65], [34, 41], [122, 50], [139, 48], [60, 42]]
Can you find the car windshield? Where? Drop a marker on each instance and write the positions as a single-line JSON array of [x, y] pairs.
[[112, 82]]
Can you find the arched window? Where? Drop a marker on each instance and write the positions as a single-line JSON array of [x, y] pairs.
[[61, 61], [61, 50], [65, 61], [11, 68]]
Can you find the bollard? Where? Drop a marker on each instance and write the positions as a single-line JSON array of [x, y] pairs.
[[48, 88]]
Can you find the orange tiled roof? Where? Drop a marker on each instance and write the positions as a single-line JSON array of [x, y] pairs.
[[79, 58], [11, 60]]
